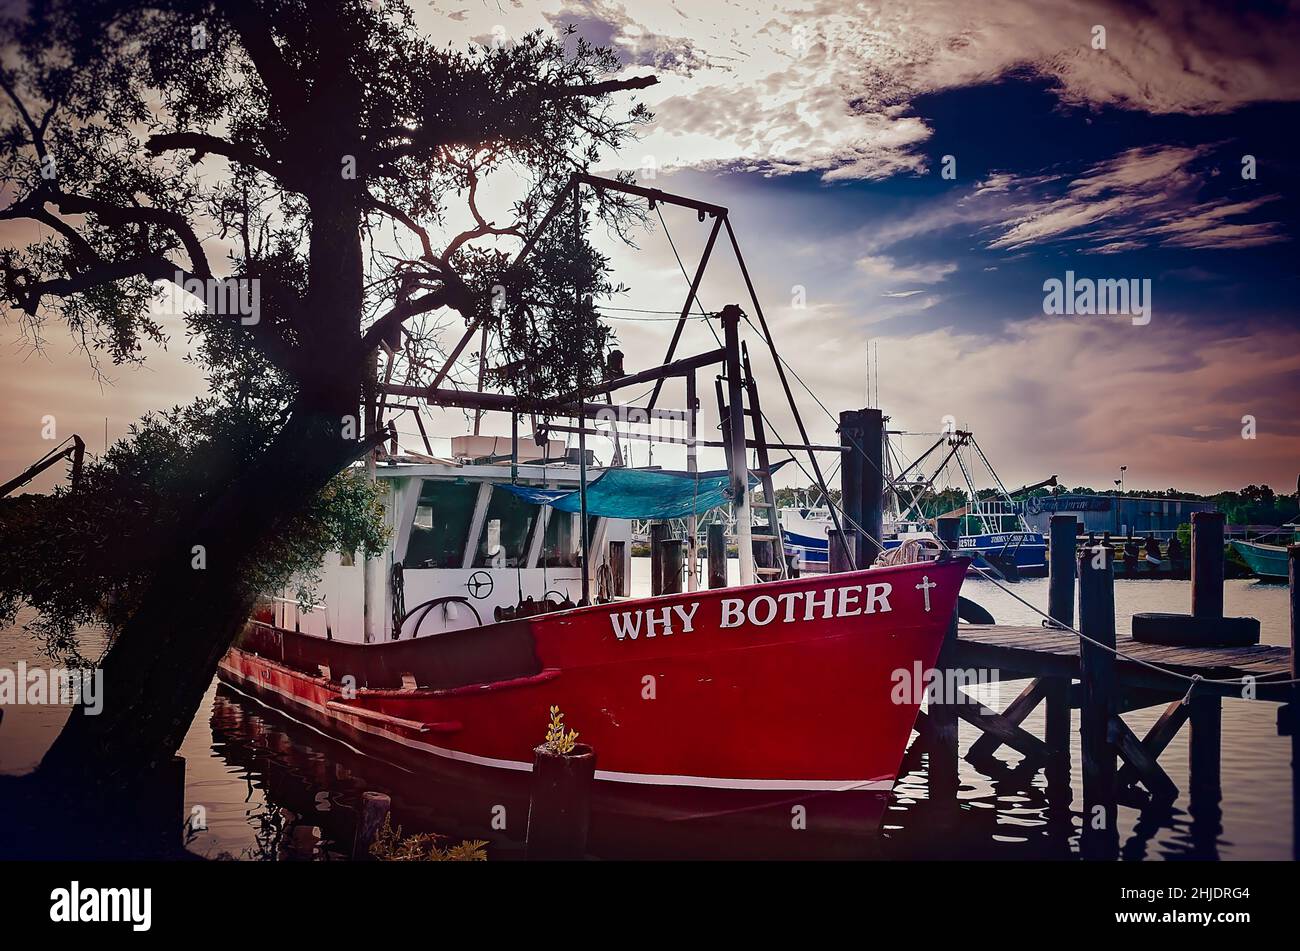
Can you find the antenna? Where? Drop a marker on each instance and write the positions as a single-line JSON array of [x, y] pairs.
[[876, 374]]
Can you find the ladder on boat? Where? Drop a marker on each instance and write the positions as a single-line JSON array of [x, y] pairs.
[[767, 534]]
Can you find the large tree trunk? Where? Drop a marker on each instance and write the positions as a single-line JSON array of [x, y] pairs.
[[164, 659]]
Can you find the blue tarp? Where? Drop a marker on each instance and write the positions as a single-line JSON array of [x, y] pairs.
[[637, 493]]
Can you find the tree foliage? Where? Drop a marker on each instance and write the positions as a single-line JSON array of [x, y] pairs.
[[88, 557], [337, 157]]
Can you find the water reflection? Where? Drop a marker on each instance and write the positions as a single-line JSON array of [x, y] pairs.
[[303, 790]]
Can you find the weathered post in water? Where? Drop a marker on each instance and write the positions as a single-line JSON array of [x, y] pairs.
[[717, 554], [618, 569], [673, 560], [559, 808], [1207, 564], [1060, 606], [947, 528], [862, 480], [1100, 838], [838, 546], [944, 775], [1292, 708], [375, 807], [1206, 709], [1061, 561], [658, 535]]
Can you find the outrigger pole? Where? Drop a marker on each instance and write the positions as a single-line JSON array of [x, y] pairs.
[[582, 430], [576, 404]]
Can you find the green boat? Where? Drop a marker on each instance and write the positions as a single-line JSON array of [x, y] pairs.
[[1267, 561]]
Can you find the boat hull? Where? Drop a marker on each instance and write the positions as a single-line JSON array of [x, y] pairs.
[[783, 704], [1267, 561], [811, 552]]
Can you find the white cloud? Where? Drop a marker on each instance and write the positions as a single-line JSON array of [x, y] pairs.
[[886, 268], [1143, 196], [826, 86]]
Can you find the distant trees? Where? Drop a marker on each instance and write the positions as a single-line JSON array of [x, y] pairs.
[[1253, 505]]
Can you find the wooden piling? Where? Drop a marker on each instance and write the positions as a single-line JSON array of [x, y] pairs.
[[1100, 838], [837, 551], [943, 773], [1207, 564], [948, 530], [658, 535], [559, 807], [1061, 569], [672, 560], [618, 569], [1204, 744], [862, 487], [1292, 710], [716, 552], [375, 807]]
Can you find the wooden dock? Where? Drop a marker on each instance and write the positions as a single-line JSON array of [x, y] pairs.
[[1026, 651], [1104, 676]]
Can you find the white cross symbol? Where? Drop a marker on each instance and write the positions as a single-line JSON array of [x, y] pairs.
[[924, 587]]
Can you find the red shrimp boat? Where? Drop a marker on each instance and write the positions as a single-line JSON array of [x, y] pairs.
[[748, 701], [795, 692]]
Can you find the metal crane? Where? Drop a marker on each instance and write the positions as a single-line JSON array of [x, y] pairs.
[[76, 452]]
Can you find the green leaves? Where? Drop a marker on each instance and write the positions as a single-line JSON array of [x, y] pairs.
[[90, 557]]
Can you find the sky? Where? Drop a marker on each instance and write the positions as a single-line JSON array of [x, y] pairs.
[[909, 176]]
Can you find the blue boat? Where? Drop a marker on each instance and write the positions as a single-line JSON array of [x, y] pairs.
[[1269, 562]]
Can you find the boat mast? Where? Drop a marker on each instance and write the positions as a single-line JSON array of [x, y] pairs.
[[736, 436], [582, 429], [692, 466]]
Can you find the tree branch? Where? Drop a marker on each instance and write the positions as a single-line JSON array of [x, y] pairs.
[[203, 144], [121, 214], [601, 88]]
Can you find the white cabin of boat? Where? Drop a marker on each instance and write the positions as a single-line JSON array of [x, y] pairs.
[[457, 537]]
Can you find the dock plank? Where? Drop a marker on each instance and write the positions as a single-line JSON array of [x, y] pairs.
[[1039, 650]]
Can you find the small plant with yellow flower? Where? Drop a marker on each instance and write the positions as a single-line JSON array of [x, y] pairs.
[[557, 740]]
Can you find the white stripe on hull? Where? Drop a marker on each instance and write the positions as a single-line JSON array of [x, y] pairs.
[[645, 779]]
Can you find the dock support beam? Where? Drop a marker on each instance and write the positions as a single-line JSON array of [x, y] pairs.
[[1100, 837], [375, 807], [559, 804], [1207, 564], [1291, 711], [862, 480], [672, 559], [948, 530], [618, 569], [717, 555], [941, 717], [658, 536], [838, 547], [1062, 568], [1060, 591]]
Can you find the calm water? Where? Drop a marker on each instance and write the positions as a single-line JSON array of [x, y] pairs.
[[275, 790]]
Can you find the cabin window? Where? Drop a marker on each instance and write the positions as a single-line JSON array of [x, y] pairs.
[[506, 529], [442, 519], [561, 547]]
